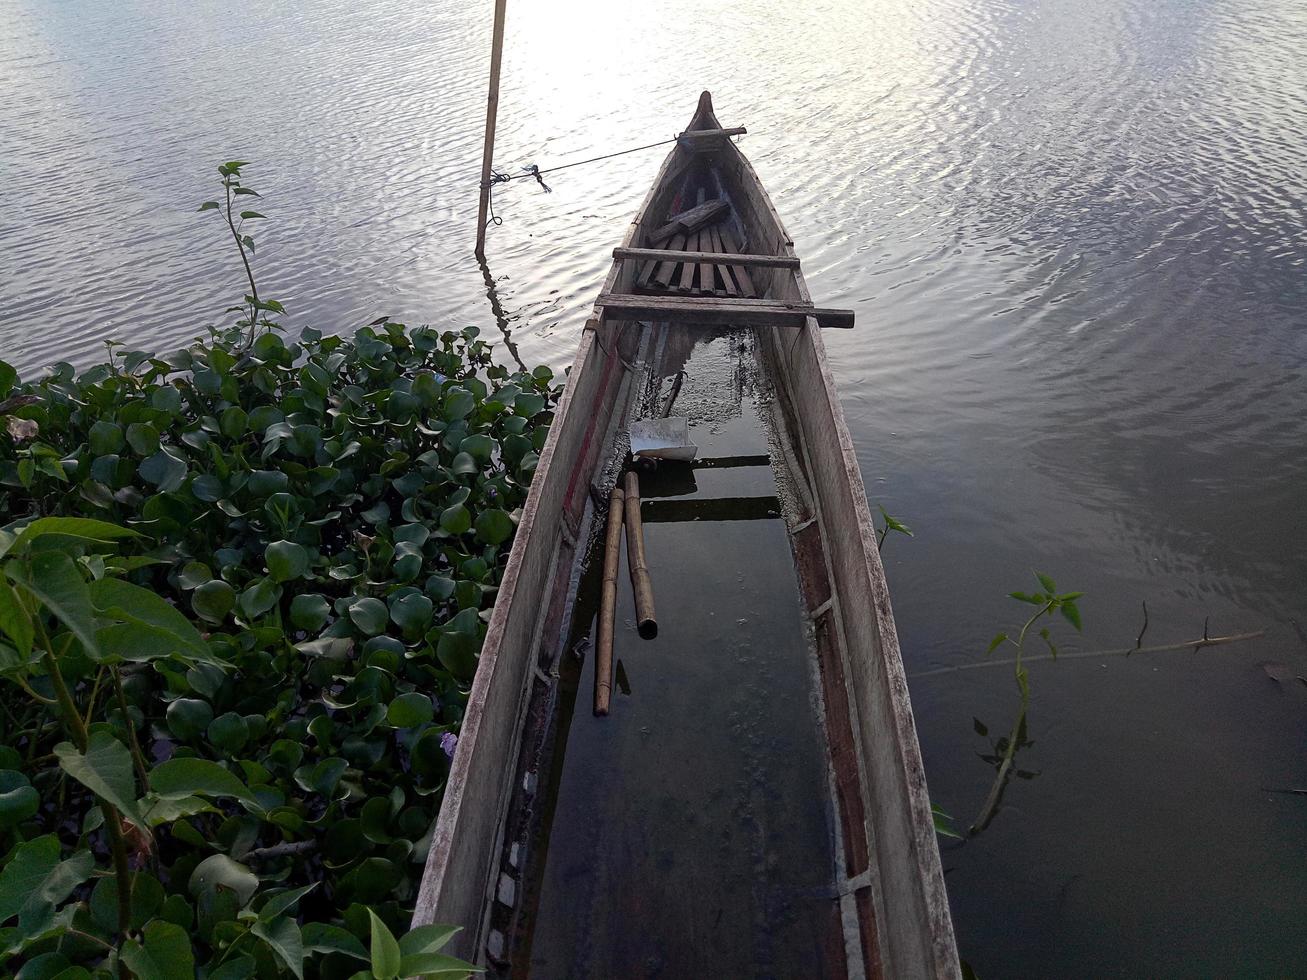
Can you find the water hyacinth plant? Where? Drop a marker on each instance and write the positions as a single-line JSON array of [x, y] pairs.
[[243, 588]]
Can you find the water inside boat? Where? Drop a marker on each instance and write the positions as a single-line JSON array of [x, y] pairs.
[[690, 832]]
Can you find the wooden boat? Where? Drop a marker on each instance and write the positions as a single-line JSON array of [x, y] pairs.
[[684, 844]]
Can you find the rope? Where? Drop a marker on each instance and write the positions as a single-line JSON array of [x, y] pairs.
[[531, 170]]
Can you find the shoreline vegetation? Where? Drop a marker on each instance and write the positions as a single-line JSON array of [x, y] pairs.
[[243, 588]]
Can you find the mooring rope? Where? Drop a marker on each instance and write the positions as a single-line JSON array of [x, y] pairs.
[[531, 170]]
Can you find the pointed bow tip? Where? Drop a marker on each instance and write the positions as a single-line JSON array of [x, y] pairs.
[[705, 101]]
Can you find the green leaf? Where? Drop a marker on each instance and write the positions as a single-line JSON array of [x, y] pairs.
[[18, 800], [943, 822], [410, 710], [52, 578], [14, 620], [456, 519], [369, 615], [494, 526], [81, 528], [1071, 612], [208, 206], [178, 778], [309, 611], [529, 405], [412, 613], [193, 575], [213, 600], [115, 598], [251, 214], [219, 871], [429, 965], [166, 953], [321, 937], [143, 438], [386, 959], [35, 881], [104, 438], [426, 939], [259, 598], [1046, 582], [106, 770], [283, 936], [8, 378], [229, 732], [187, 719], [165, 469], [996, 642], [146, 897], [1023, 597], [286, 560]]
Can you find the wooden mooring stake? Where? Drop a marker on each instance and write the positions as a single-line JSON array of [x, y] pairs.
[[492, 113]]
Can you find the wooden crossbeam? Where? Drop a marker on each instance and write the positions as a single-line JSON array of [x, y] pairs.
[[711, 135], [712, 310], [722, 258]]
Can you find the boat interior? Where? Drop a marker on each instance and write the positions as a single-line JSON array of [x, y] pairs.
[[754, 803]]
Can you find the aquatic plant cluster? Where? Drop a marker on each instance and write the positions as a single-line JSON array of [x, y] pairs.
[[243, 588]]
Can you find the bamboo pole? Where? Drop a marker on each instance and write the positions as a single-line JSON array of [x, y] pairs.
[[645, 623], [492, 113], [608, 604]]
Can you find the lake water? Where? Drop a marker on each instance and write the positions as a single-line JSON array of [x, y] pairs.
[[1073, 233]]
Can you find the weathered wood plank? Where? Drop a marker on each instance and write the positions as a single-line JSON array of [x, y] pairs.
[[691, 220], [717, 310], [663, 277], [727, 256], [723, 270], [686, 284], [742, 277], [699, 140]]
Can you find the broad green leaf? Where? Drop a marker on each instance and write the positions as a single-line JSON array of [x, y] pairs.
[[165, 470], [283, 936], [410, 710], [321, 937], [106, 770], [1046, 582], [14, 620], [286, 560], [193, 575], [220, 871], [35, 881], [18, 800], [1071, 612], [178, 778], [456, 519], [113, 597], [164, 954], [259, 598], [229, 732], [428, 965], [104, 438], [412, 613], [213, 600], [84, 528], [309, 611], [369, 615], [494, 526], [385, 950], [146, 897], [426, 939]]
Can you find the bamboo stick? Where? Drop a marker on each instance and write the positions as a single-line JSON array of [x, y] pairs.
[[492, 112], [608, 604], [645, 623]]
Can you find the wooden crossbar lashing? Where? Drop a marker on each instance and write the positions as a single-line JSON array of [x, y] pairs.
[[723, 258], [711, 310]]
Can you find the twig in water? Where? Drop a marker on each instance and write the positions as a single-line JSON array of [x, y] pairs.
[[1291, 789], [1206, 641], [1140, 639]]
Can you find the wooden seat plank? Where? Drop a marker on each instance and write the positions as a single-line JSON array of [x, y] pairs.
[[663, 276], [742, 277], [710, 310]]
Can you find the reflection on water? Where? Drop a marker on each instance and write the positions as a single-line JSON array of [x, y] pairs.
[[1073, 233]]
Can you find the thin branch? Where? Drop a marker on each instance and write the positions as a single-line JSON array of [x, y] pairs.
[[1139, 641], [1206, 641]]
